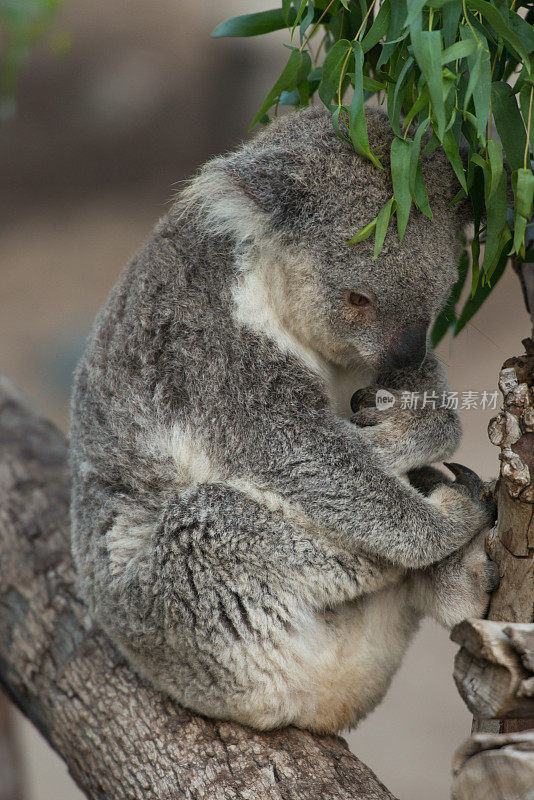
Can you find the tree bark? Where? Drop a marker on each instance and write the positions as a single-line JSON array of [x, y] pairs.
[[494, 669], [120, 738], [495, 767], [512, 544]]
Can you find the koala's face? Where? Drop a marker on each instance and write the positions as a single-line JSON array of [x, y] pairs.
[[353, 309], [316, 192]]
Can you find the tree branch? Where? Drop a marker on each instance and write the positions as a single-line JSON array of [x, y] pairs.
[[494, 669], [494, 767], [512, 545], [121, 739]]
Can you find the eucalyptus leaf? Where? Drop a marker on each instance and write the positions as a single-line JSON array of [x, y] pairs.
[[458, 50], [253, 24], [295, 71], [509, 123], [298, 16], [496, 20], [523, 188], [364, 233], [526, 99], [483, 290], [332, 66], [427, 50], [479, 86], [379, 28], [396, 24], [400, 173], [382, 223], [358, 126], [452, 150]]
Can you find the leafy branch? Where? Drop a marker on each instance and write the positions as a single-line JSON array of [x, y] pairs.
[[460, 71]]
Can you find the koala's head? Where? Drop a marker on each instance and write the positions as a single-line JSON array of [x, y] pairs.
[[295, 194]]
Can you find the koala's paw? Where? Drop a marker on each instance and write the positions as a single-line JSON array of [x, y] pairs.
[[406, 437], [463, 583], [467, 504]]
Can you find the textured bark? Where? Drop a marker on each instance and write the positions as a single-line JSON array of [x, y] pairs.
[[489, 767], [494, 669], [512, 545], [120, 739]]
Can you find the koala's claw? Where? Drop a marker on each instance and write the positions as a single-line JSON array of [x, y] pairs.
[[464, 476]]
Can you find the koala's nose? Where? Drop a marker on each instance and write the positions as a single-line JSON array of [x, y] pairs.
[[408, 349]]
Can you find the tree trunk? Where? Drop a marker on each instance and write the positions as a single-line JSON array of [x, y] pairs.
[[512, 544], [494, 669], [121, 739], [495, 767]]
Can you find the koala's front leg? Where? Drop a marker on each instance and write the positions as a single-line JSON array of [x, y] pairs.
[[409, 434], [460, 585]]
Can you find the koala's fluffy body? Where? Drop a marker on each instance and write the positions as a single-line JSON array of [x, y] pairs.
[[253, 551]]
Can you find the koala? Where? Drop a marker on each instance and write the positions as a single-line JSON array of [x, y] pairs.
[[256, 548]]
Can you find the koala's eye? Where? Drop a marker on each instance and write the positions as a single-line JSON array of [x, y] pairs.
[[360, 300]]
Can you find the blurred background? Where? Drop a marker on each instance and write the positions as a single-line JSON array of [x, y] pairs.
[[137, 98]]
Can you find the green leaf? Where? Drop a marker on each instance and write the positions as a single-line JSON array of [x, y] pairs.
[[364, 233], [400, 173], [509, 123], [496, 161], [479, 86], [382, 223], [307, 21], [451, 14], [458, 50], [298, 16], [523, 188], [474, 302], [286, 12], [427, 50], [252, 24], [339, 111], [370, 85], [379, 28], [295, 71], [446, 318], [497, 232], [398, 13], [397, 95], [420, 103], [453, 154], [417, 181], [358, 126], [414, 9], [526, 101], [332, 67], [522, 29], [496, 20]]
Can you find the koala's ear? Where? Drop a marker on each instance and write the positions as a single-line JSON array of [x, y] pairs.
[[271, 181]]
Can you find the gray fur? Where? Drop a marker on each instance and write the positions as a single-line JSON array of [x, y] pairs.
[[253, 552]]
